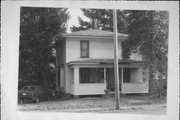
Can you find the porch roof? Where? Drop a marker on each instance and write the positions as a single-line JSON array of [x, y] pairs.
[[86, 61]]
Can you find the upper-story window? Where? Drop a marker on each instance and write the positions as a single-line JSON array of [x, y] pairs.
[[84, 49]]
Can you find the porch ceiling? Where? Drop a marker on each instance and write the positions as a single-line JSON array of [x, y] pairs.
[[85, 61]]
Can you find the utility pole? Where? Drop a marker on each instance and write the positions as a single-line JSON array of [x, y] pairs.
[[116, 68]]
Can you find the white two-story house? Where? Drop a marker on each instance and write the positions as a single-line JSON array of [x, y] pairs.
[[84, 65]]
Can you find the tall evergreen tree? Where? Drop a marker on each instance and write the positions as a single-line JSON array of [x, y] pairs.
[[148, 35], [39, 29], [105, 20]]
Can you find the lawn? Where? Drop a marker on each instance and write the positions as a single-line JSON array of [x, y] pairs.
[[91, 104], [81, 103]]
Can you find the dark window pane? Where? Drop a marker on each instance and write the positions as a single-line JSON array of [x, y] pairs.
[[84, 49], [84, 75], [84, 45], [101, 76], [126, 75], [91, 75], [84, 53]]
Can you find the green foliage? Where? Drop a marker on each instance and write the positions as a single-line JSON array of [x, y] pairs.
[[39, 29]]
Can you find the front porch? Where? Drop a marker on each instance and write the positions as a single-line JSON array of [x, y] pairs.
[[94, 76], [94, 81], [88, 82]]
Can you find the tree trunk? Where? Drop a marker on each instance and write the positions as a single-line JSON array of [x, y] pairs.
[[44, 80], [151, 86], [45, 83]]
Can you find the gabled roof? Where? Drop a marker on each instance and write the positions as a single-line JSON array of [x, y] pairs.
[[95, 33], [103, 61]]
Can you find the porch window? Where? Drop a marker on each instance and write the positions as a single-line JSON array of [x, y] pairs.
[[91, 75], [84, 49], [126, 75], [101, 75], [84, 75]]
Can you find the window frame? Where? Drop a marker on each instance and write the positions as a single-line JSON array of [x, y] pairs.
[[81, 42]]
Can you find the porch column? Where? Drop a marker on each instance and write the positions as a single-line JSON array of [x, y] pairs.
[[121, 76], [105, 77], [76, 78]]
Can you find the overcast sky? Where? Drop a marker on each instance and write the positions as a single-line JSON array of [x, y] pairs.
[[75, 12]]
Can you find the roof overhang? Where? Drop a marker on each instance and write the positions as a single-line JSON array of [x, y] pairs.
[[95, 34], [95, 37], [106, 62]]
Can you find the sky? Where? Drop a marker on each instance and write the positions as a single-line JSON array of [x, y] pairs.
[[75, 12]]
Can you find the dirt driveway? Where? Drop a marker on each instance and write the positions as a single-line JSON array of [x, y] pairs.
[[98, 105]]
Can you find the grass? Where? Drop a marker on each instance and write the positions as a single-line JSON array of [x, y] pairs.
[[85, 103], [154, 99], [82, 103]]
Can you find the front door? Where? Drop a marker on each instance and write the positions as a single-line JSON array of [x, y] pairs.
[[111, 80]]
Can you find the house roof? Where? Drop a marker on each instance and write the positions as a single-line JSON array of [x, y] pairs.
[[95, 33], [103, 61]]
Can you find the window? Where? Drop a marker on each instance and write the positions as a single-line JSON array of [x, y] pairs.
[[101, 75], [91, 75], [84, 75], [84, 49], [126, 75]]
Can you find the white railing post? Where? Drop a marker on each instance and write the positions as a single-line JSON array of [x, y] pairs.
[[122, 80], [105, 80], [76, 78]]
